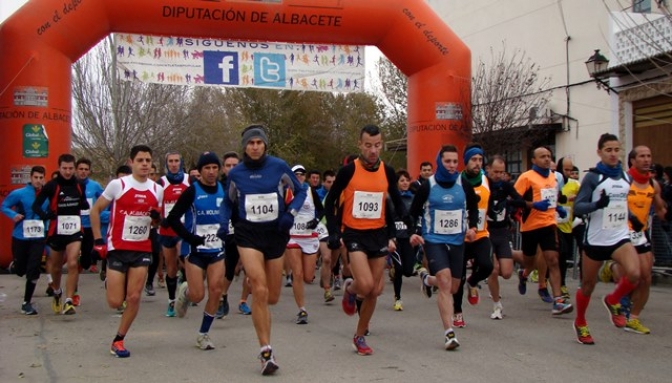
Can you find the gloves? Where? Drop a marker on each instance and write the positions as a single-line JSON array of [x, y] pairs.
[[196, 240], [285, 222], [99, 249], [637, 226], [223, 232], [312, 224], [603, 201], [542, 205], [562, 213], [562, 199], [154, 214], [334, 241]]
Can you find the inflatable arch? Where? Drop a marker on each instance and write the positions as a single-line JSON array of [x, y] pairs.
[[40, 42]]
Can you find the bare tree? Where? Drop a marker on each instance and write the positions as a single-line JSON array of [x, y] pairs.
[[111, 115], [507, 98]]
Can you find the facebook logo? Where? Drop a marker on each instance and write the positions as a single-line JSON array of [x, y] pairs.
[[269, 70], [221, 68]]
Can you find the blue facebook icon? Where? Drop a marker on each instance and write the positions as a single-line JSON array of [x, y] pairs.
[[221, 68], [269, 70]]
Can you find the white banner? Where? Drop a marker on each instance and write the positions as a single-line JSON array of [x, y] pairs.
[[214, 62]]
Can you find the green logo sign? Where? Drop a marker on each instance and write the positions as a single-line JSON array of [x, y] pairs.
[[35, 141]]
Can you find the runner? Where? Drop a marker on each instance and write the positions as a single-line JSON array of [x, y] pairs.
[[232, 259], [502, 195], [403, 260], [478, 249], [539, 229], [426, 170], [137, 200], [174, 183], [157, 262], [603, 197], [364, 186], [255, 189], [206, 258], [327, 255], [565, 225], [303, 243], [67, 199], [28, 234], [448, 208]]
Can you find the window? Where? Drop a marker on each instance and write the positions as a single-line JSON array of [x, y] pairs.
[[514, 162], [641, 6]]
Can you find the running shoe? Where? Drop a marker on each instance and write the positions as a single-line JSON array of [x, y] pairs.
[[337, 283], [149, 290], [565, 292], [122, 308], [28, 309], [182, 300], [605, 274], [223, 309], [583, 334], [545, 296], [398, 305], [615, 314], [204, 343], [69, 308], [497, 312], [288, 281], [534, 276], [50, 290], [170, 312], [424, 289], [348, 303], [119, 350], [76, 299], [56, 304], [458, 320], [328, 296], [451, 341], [244, 309], [634, 325], [473, 297], [522, 282], [268, 363], [561, 306], [162, 283], [359, 344], [302, 317]]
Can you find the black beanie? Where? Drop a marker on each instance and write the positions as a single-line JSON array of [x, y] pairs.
[[207, 158]]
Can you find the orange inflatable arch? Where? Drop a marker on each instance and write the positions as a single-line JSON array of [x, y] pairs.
[[40, 42]]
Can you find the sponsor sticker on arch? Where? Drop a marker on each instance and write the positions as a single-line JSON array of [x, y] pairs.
[[214, 62]]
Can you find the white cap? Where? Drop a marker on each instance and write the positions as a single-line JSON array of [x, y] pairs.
[[298, 168]]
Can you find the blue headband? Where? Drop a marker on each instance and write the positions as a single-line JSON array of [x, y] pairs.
[[472, 152]]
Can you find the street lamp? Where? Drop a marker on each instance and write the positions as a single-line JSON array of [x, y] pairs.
[[596, 65]]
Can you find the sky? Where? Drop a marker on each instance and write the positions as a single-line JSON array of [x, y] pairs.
[[7, 7]]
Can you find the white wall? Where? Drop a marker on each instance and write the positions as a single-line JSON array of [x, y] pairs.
[[537, 28]]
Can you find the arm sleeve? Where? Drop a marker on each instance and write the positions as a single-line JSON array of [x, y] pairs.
[[319, 208], [418, 203], [516, 199], [583, 203], [300, 193], [44, 194], [181, 206], [12, 199], [472, 204], [83, 202], [226, 208], [333, 197], [389, 221]]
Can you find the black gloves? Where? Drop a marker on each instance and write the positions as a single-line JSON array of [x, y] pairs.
[[603, 201]]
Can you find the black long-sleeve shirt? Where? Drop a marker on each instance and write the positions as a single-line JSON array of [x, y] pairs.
[[502, 196]]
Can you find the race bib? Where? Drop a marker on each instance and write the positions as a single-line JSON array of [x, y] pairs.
[[33, 228], [637, 238], [367, 205], [88, 211], [321, 230], [68, 224], [209, 232], [300, 227], [481, 220], [136, 228], [400, 225], [261, 207], [551, 195], [614, 216], [448, 222]]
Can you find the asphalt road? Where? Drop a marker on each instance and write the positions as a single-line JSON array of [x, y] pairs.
[[529, 345]]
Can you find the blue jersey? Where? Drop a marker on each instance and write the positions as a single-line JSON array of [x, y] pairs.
[[445, 214], [20, 201], [205, 213], [259, 193], [93, 190]]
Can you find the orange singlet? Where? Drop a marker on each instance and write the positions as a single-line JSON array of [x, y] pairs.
[[364, 198]]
